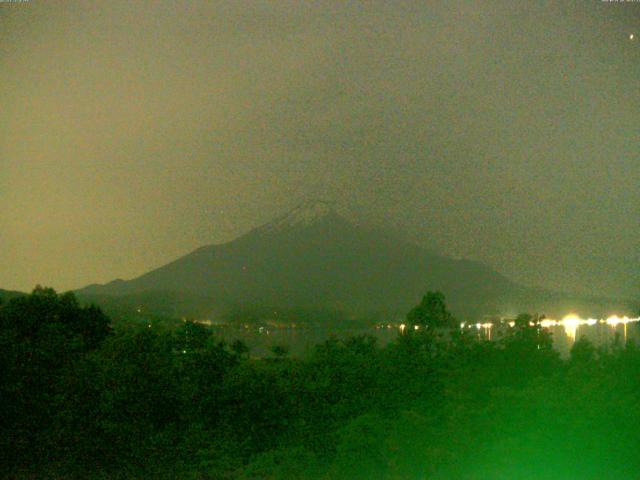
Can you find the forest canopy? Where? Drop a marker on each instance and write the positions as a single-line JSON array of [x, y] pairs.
[[80, 400]]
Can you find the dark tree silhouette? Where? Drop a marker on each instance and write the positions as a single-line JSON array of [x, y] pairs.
[[280, 351], [42, 336], [431, 312], [78, 402]]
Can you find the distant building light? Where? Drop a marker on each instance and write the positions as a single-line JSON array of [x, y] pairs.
[[547, 322]]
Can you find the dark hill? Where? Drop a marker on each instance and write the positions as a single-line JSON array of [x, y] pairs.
[[6, 295]]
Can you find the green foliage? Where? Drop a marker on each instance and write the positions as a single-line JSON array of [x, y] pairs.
[[191, 337], [293, 463], [431, 312], [43, 314], [81, 402], [583, 353], [239, 348], [41, 336], [280, 351], [361, 450]]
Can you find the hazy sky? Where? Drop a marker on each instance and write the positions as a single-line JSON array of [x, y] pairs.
[[133, 132]]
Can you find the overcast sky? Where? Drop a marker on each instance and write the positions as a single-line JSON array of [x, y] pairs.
[[134, 132]]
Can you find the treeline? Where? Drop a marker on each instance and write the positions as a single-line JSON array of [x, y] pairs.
[[79, 400]]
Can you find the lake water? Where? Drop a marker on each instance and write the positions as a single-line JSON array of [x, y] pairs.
[[300, 341], [565, 332]]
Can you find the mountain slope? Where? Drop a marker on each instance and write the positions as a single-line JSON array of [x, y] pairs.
[[314, 258], [6, 295]]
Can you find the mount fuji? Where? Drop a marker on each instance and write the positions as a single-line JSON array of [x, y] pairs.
[[314, 258]]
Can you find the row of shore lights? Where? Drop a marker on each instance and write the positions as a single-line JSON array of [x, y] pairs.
[[570, 322]]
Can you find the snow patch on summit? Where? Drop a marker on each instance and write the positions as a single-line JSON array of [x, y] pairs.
[[303, 215]]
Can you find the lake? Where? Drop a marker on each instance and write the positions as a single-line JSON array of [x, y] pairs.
[[302, 340]]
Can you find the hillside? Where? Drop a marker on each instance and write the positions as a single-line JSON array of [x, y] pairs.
[[6, 295], [313, 258]]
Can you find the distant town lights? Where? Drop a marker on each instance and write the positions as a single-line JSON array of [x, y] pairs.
[[548, 322]]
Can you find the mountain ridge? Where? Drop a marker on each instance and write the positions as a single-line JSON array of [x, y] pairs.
[[312, 257], [6, 295]]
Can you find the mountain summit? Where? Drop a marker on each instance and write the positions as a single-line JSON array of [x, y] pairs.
[[307, 213]]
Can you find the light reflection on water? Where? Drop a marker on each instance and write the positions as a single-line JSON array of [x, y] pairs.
[[600, 332], [565, 332]]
